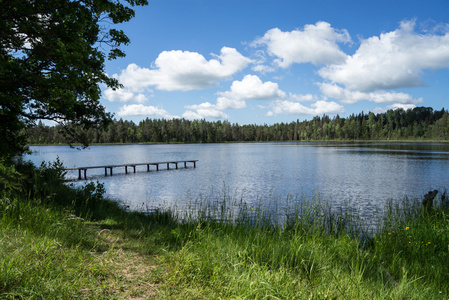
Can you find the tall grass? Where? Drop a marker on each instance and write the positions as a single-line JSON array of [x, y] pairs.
[[51, 242], [415, 241], [41, 246], [222, 247], [316, 252]]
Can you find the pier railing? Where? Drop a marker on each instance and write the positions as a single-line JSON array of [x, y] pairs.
[[126, 166]]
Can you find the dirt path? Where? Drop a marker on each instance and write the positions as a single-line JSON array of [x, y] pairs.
[[129, 274]]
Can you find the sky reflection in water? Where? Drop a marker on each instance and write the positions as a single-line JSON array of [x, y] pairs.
[[366, 174]]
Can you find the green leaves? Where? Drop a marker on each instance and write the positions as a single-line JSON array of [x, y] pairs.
[[52, 55]]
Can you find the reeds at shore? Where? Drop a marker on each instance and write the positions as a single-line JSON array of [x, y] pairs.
[[61, 242]]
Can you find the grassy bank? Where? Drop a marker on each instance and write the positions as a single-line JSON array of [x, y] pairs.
[[59, 242]]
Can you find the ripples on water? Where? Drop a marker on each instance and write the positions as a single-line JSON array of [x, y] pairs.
[[360, 176]]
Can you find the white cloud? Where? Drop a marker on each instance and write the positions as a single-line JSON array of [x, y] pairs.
[[204, 110], [134, 78], [350, 97], [301, 98], [262, 69], [142, 110], [251, 87], [316, 44], [184, 70], [226, 103], [123, 95], [296, 108], [141, 98], [395, 106], [327, 107], [393, 60], [259, 59]]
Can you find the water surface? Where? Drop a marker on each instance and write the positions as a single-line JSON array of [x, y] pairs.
[[364, 174]]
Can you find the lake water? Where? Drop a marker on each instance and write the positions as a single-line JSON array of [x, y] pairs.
[[364, 174]]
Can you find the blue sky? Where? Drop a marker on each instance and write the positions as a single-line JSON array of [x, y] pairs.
[[269, 61]]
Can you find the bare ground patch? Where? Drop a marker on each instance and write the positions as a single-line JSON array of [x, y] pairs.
[[129, 274]]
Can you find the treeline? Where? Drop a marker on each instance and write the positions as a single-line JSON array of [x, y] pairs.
[[420, 123]]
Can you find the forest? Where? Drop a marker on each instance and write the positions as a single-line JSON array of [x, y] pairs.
[[420, 123]]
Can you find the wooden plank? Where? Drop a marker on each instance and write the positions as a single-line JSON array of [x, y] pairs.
[[131, 165]]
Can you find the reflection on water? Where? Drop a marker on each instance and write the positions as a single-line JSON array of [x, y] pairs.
[[364, 174]]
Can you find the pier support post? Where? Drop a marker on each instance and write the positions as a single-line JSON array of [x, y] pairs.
[[134, 166]]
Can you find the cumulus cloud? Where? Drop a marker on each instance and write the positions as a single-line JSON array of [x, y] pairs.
[[395, 106], [301, 98], [125, 96], [204, 110], [316, 44], [142, 110], [262, 69], [229, 103], [296, 108], [250, 88], [184, 70], [393, 60], [134, 78], [350, 97]]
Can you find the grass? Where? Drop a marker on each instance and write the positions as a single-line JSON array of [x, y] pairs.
[[313, 258], [60, 242]]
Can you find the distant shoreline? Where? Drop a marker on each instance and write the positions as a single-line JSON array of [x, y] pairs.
[[255, 142]]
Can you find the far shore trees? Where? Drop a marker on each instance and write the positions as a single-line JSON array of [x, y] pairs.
[[418, 124]]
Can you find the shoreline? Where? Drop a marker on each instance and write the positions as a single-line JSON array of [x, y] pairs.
[[256, 142], [66, 242]]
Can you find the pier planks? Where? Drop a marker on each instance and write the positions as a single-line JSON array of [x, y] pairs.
[[110, 167]]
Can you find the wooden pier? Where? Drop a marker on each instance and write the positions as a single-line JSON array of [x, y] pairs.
[[110, 167]]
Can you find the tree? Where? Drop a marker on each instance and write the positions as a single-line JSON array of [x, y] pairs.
[[52, 55]]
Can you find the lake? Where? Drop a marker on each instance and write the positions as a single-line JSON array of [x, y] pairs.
[[365, 175]]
